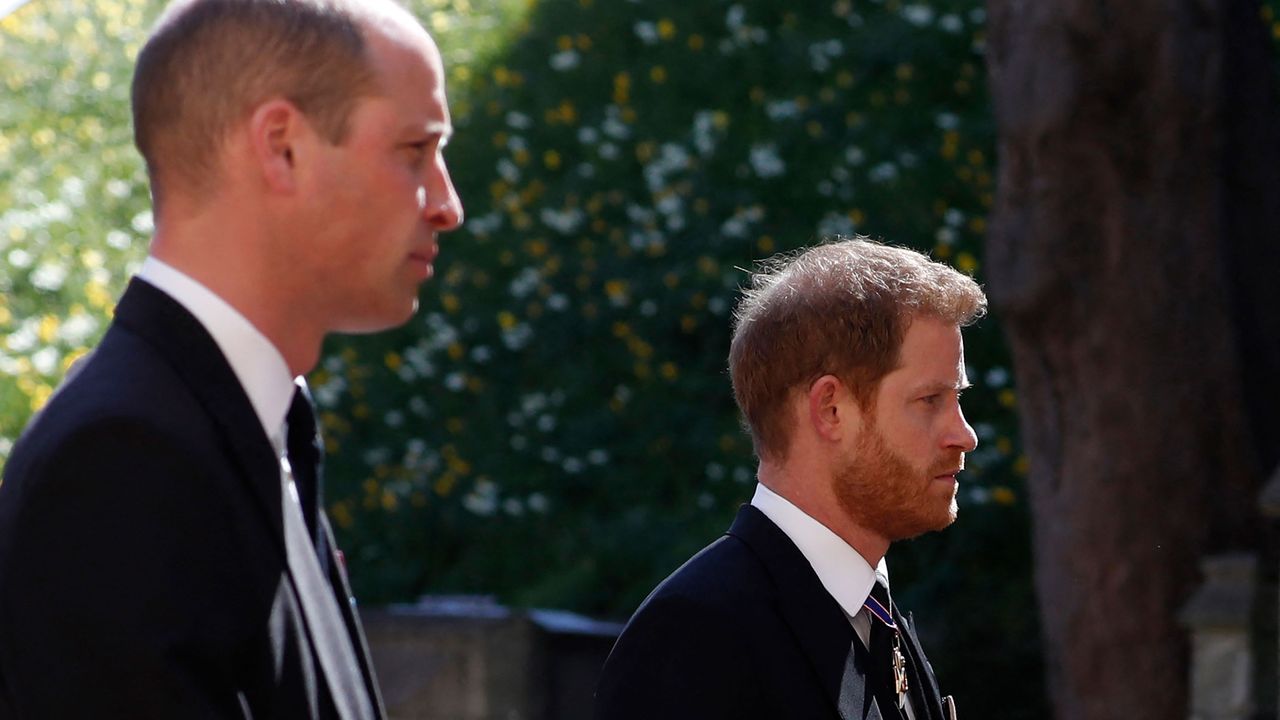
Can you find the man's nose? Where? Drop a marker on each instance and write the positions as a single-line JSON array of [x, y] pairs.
[[442, 208]]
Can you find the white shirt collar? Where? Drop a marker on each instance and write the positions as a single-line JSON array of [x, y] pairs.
[[841, 569], [257, 364]]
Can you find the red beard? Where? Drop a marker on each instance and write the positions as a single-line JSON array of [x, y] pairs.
[[884, 493]]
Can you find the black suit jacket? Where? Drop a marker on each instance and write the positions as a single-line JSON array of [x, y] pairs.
[[142, 559], [744, 629]]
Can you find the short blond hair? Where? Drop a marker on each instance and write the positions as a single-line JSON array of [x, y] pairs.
[[841, 308]]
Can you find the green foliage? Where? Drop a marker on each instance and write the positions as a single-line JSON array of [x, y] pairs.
[[556, 426]]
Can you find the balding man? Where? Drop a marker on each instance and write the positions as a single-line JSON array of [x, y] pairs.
[[163, 549]]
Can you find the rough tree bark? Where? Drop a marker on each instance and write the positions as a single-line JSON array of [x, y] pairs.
[[1134, 258]]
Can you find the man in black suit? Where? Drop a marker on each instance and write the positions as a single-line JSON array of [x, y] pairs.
[[847, 364], [164, 552]]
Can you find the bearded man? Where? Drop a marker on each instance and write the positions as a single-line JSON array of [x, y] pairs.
[[847, 363]]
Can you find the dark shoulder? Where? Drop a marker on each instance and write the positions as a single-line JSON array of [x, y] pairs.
[[724, 575], [122, 386]]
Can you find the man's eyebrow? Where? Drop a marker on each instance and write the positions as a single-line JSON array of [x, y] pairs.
[[940, 387]]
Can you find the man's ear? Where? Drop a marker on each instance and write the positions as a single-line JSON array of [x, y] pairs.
[[832, 410], [275, 129]]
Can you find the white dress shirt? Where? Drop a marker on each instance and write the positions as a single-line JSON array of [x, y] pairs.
[[257, 364], [845, 574]]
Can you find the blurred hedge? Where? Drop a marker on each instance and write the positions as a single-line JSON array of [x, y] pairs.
[[556, 426]]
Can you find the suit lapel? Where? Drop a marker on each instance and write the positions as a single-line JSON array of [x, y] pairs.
[[189, 349], [923, 671], [815, 619]]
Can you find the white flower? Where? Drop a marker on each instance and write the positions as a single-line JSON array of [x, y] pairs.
[[766, 162], [951, 23], [883, 173], [525, 282], [508, 171], [483, 499], [834, 223], [781, 110], [20, 258], [854, 155], [735, 17], [588, 135], [49, 276], [78, 328], [573, 465], [997, 377], [143, 223], [518, 120], [566, 222], [598, 456], [119, 240], [117, 188], [646, 31], [953, 217], [45, 360], [566, 60], [918, 15], [455, 381], [947, 121], [538, 503]]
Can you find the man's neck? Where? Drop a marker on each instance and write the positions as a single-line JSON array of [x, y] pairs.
[[811, 490], [245, 283]]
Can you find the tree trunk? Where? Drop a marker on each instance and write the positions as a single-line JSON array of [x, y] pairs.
[[1133, 260]]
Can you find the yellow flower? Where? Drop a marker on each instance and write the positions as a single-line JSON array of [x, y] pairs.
[[668, 371], [658, 74], [1008, 398], [966, 263], [389, 501], [341, 514], [616, 289], [506, 320], [1003, 496], [696, 42], [48, 328], [666, 29], [621, 88], [392, 361], [551, 159]]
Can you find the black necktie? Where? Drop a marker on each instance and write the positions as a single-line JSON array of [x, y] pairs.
[[305, 456], [880, 673], [334, 647]]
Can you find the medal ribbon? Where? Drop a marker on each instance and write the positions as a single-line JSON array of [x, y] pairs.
[[882, 614]]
